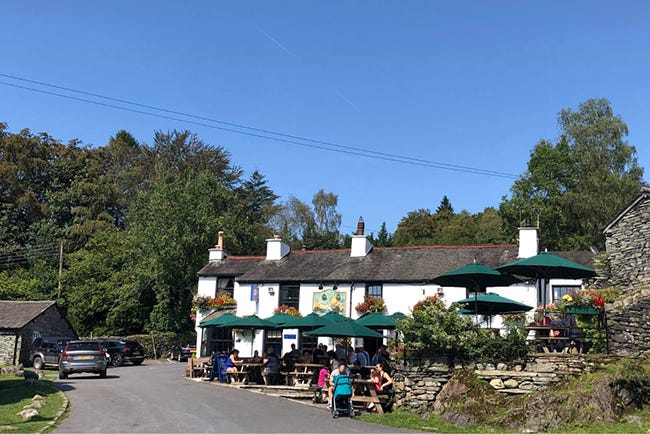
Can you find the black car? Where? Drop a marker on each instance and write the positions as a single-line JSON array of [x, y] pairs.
[[185, 352], [46, 351], [124, 351]]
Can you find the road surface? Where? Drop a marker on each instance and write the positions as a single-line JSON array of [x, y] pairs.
[[156, 398]]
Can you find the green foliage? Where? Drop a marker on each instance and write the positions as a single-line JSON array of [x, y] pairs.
[[434, 329], [575, 187]]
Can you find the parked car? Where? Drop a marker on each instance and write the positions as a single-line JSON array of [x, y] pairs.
[[124, 351], [82, 356], [45, 351], [184, 352]]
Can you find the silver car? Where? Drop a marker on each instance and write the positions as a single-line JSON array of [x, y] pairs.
[[82, 356]]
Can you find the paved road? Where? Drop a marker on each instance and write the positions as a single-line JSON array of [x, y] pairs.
[[155, 398]]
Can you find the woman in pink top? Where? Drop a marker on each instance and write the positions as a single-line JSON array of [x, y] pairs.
[[322, 376]]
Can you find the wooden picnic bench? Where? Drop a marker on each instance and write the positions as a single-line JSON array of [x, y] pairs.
[[363, 391], [198, 367]]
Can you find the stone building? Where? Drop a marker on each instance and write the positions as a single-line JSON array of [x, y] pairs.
[[23, 321], [628, 254], [628, 245]]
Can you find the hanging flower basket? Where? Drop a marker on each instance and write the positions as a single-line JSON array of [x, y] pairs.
[[581, 310], [221, 301], [371, 304], [289, 310]]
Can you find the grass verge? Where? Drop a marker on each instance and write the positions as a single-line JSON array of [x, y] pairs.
[[16, 393]]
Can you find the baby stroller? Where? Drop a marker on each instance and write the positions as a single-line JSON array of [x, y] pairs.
[[342, 397]]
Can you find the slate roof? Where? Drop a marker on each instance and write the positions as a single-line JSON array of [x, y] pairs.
[[17, 314], [645, 194], [382, 264]]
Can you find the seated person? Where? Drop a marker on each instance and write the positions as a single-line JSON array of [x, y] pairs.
[[341, 369], [232, 362], [271, 364], [385, 384], [291, 357]]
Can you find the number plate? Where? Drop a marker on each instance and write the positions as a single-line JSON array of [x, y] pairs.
[[136, 353], [82, 357]]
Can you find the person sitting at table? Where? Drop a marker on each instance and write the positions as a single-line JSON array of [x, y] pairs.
[[352, 357], [376, 379], [255, 371], [317, 354], [291, 357], [231, 364], [342, 369], [306, 357], [385, 383], [271, 364]]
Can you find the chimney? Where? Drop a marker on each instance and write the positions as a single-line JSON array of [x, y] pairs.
[[528, 240], [276, 249], [361, 245], [217, 253]]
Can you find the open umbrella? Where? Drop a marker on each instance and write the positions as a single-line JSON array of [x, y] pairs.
[[547, 266], [250, 322], [314, 320], [475, 277], [348, 329], [219, 321], [280, 318], [377, 320], [493, 304]]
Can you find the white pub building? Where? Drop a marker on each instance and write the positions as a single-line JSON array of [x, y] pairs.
[[337, 280]]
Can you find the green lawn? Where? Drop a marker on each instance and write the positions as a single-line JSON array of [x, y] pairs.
[[15, 393], [434, 424]]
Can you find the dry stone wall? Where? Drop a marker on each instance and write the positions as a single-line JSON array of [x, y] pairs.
[[628, 247], [627, 325], [416, 387]]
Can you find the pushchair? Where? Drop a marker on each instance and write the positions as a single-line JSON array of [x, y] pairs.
[[342, 397]]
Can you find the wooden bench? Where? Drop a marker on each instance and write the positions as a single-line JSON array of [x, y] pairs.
[[198, 367]]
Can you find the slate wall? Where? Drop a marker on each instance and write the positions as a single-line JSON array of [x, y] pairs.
[[628, 247], [49, 323], [416, 387]]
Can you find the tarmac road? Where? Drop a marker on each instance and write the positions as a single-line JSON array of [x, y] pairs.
[[156, 398]]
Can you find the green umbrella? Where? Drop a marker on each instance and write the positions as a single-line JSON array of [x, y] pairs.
[[345, 329], [314, 320], [219, 321], [377, 320], [398, 316], [249, 322], [492, 304], [280, 318], [547, 266], [475, 277]]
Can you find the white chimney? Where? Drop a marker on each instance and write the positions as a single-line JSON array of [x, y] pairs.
[[217, 253], [361, 245], [276, 249], [528, 241]]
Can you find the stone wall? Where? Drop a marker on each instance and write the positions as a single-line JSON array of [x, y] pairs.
[[628, 246], [627, 324], [9, 341], [416, 387]]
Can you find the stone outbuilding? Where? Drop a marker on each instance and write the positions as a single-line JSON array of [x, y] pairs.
[[23, 321], [628, 245], [628, 254]]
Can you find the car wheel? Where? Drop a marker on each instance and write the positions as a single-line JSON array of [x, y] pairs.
[[38, 363], [102, 374], [180, 357], [62, 375], [138, 362], [117, 359]]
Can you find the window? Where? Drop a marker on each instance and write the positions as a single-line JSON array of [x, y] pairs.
[[560, 290], [226, 285], [290, 295], [374, 291], [273, 339]]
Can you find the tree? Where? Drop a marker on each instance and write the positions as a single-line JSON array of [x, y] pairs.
[[577, 185], [383, 238], [445, 207]]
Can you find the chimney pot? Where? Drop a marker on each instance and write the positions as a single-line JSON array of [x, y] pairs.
[[219, 240], [361, 226]]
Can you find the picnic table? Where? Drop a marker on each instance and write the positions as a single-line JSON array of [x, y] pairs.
[[555, 338], [363, 391], [303, 373], [246, 372]]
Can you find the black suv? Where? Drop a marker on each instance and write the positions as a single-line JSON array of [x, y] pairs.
[[124, 351], [46, 351]]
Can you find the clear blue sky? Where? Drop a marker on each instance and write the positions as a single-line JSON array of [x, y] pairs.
[[475, 84]]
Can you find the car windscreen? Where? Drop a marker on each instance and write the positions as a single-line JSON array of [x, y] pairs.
[[83, 346]]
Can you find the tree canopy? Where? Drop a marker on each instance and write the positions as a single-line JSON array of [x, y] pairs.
[[575, 186]]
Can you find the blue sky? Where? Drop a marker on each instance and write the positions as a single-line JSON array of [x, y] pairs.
[[467, 83]]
